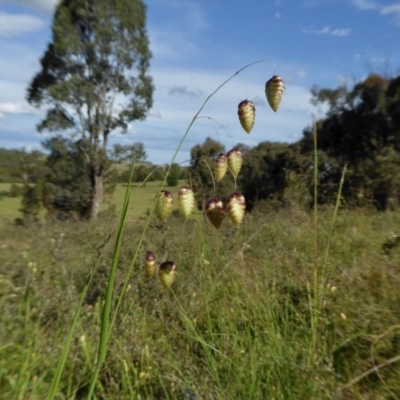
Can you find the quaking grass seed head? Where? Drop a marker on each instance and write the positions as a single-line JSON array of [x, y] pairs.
[[215, 212], [150, 264], [165, 202], [274, 89], [167, 273], [186, 201], [247, 115], [236, 207], [220, 167], [235, 161]]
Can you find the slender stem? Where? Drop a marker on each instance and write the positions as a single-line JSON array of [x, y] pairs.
[[212, 176], [68, 340]]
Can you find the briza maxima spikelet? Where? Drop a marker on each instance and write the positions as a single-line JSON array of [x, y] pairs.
[[150, 264], [186, 201], [215, 212], [235, 161], [247, 115], [165, 202], [274, 90], [236, 207], [220, 167], [167, 273]]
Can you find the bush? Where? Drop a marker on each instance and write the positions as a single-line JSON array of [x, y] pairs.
[[174, 175], [15, 190]]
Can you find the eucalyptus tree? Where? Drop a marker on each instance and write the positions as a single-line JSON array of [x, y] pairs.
[[94, 78]]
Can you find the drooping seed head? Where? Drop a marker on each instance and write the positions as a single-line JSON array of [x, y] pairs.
[[236, 207], [186, 201], [167, 273], [215, 212], [220, 167], [150, 264], [235, 161], [165, 202], [247, 114], [274, 90]]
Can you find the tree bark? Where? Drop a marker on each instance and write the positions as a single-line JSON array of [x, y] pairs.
[[97, 194]]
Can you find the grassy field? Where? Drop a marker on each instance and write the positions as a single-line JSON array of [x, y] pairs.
[[285, 307], [9, 206], [142, 198]]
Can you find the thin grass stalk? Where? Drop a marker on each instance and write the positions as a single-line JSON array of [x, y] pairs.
[[207, 348], [313, 295], [68, 340], [211, 173], [105, 320], [335, 212]]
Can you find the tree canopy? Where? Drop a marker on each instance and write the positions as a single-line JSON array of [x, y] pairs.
[[362, 130]]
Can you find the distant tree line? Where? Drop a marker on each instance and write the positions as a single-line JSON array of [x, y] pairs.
[[361, 129]]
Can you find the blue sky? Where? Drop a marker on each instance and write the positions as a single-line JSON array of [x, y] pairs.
[[197, 45]]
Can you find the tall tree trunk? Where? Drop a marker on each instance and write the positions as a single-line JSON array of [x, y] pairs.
[[97, 193]]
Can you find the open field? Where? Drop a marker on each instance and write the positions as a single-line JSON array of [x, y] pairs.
[[272, 310], [141, 200]]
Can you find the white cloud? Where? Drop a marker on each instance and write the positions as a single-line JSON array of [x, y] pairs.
[[182, 91], [16, 108], [178, 46], [302, 74], [340, 32], [326, 30], [365, 4], [47, 6], [18, 24], [393, 9], [192, 13]]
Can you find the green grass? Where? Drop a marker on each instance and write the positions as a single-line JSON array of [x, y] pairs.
[[237, 325], [9, 206], [141, 200]]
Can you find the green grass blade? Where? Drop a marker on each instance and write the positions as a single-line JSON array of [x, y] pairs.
[[68, 340], [105, 321]]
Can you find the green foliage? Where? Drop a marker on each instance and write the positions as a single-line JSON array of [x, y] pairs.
[[361, 130], [99, 50], [128, 153], [142, 172], [265, 171], [174, 175], [67, 183], [15, 190], [31, 204], [20, 166]]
